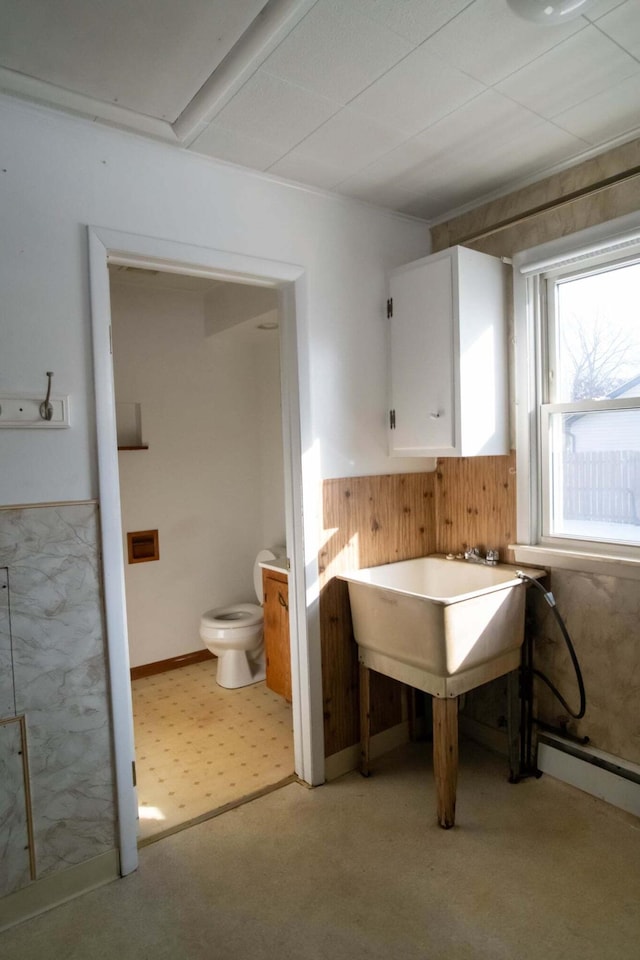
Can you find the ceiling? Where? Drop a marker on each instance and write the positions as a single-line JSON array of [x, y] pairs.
[[422, 106]]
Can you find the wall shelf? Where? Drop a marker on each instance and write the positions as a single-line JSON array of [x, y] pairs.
[[129, 427]]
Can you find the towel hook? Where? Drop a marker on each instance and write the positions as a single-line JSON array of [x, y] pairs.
[[46, 407]]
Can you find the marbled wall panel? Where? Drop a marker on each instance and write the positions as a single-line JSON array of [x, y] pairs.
[[614, 201], [7, 699], [602, 615], [15, 871], [59, 658]]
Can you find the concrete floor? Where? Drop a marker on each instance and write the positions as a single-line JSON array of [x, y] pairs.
[[358, 869]]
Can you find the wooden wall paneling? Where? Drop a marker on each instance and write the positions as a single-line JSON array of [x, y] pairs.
[[367, 521], [475, 504]]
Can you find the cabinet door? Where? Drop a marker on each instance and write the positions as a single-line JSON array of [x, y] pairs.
[[276, 634], [422, 359]]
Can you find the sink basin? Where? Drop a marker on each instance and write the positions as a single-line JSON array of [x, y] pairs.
[[442, 626]]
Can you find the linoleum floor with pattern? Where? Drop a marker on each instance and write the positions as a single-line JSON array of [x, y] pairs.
[[200, 747]]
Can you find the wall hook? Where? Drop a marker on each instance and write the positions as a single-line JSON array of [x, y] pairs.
[[46, 407]]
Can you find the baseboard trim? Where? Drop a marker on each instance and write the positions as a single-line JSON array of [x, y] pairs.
[[600, 774], [349, 759], [51, 891], [490, 737], [173, 663]]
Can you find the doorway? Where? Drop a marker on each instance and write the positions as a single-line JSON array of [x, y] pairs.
[[114, 247], [201, 466]]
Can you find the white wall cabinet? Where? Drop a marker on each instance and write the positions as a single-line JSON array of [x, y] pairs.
[[448, 347]]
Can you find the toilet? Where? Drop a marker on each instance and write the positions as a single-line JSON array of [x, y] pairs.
[[235, 635]]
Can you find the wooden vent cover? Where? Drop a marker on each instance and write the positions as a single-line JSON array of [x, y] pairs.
[[143, 546]]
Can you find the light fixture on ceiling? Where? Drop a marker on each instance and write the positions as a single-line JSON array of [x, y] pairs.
[[551, 12]]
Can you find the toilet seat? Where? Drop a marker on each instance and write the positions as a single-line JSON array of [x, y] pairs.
[[233, 617]]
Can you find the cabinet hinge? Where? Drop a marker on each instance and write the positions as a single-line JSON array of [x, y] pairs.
[[392, 419], [390, 307], [133, 773]]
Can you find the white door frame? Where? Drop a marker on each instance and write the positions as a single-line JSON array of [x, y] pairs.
[[110, 246]]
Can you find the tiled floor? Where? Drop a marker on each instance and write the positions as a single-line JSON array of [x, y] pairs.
[[199, 746]]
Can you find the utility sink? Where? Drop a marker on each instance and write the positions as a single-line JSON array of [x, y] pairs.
[[442, 626]]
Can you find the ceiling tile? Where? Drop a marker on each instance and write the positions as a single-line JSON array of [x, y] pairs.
[[405, 167], [443, 172], [307, 170], [623, 26], [535, 148], [151, 56], [363, 188], [471, 177], [414, 19], [223, 144], [275, 111], [416, 92], [349, 141], [614, 113], [488, 40], [580, 67], [476, 129], [336, 52]]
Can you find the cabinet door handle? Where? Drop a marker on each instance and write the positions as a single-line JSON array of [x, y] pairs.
[[283, 602]]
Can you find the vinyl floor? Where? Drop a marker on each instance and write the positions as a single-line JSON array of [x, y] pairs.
[[200, 747]]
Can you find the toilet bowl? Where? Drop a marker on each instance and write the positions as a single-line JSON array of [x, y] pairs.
[[235, 635]]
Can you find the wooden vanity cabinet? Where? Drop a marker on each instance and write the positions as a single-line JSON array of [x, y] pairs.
[[276, 632]]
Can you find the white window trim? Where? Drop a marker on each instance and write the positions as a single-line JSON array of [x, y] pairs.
[[587, 246]]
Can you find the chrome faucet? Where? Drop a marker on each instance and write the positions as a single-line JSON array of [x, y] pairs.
[[473, 555]]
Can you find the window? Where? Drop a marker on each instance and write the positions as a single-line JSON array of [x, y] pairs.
[[578, 336]]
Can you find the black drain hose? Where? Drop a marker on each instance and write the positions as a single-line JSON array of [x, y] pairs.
[[565, 633]]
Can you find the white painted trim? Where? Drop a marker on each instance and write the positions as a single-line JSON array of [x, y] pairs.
[[48, 94], [262, 36], [586, 776], [112, 557], [492, 738], [57, 888], [302, 531], [529, 393], [624, 568], [349, 759]]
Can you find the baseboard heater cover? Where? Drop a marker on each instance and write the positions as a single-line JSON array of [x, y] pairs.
[[594, 771]]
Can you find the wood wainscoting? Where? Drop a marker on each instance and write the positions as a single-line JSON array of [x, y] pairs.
[[468, 501], [475, 504], [367, 521]]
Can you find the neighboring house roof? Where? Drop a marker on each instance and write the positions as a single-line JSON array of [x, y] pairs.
[[624, 388], [621, 391]]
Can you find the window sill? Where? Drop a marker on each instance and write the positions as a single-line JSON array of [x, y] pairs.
[[625, 568]]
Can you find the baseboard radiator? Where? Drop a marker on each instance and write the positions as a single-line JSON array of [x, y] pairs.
[[594, 771]]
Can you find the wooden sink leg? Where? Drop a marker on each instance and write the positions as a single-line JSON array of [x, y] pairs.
[[445, 757], [365, 719]]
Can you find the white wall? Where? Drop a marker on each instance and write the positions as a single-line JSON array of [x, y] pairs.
[[212, 480], [59, 174]]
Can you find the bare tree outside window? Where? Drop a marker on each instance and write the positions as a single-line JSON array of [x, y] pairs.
[[601, 357], [598, 334]]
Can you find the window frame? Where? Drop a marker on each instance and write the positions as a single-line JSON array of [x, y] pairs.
[[576, 254]]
